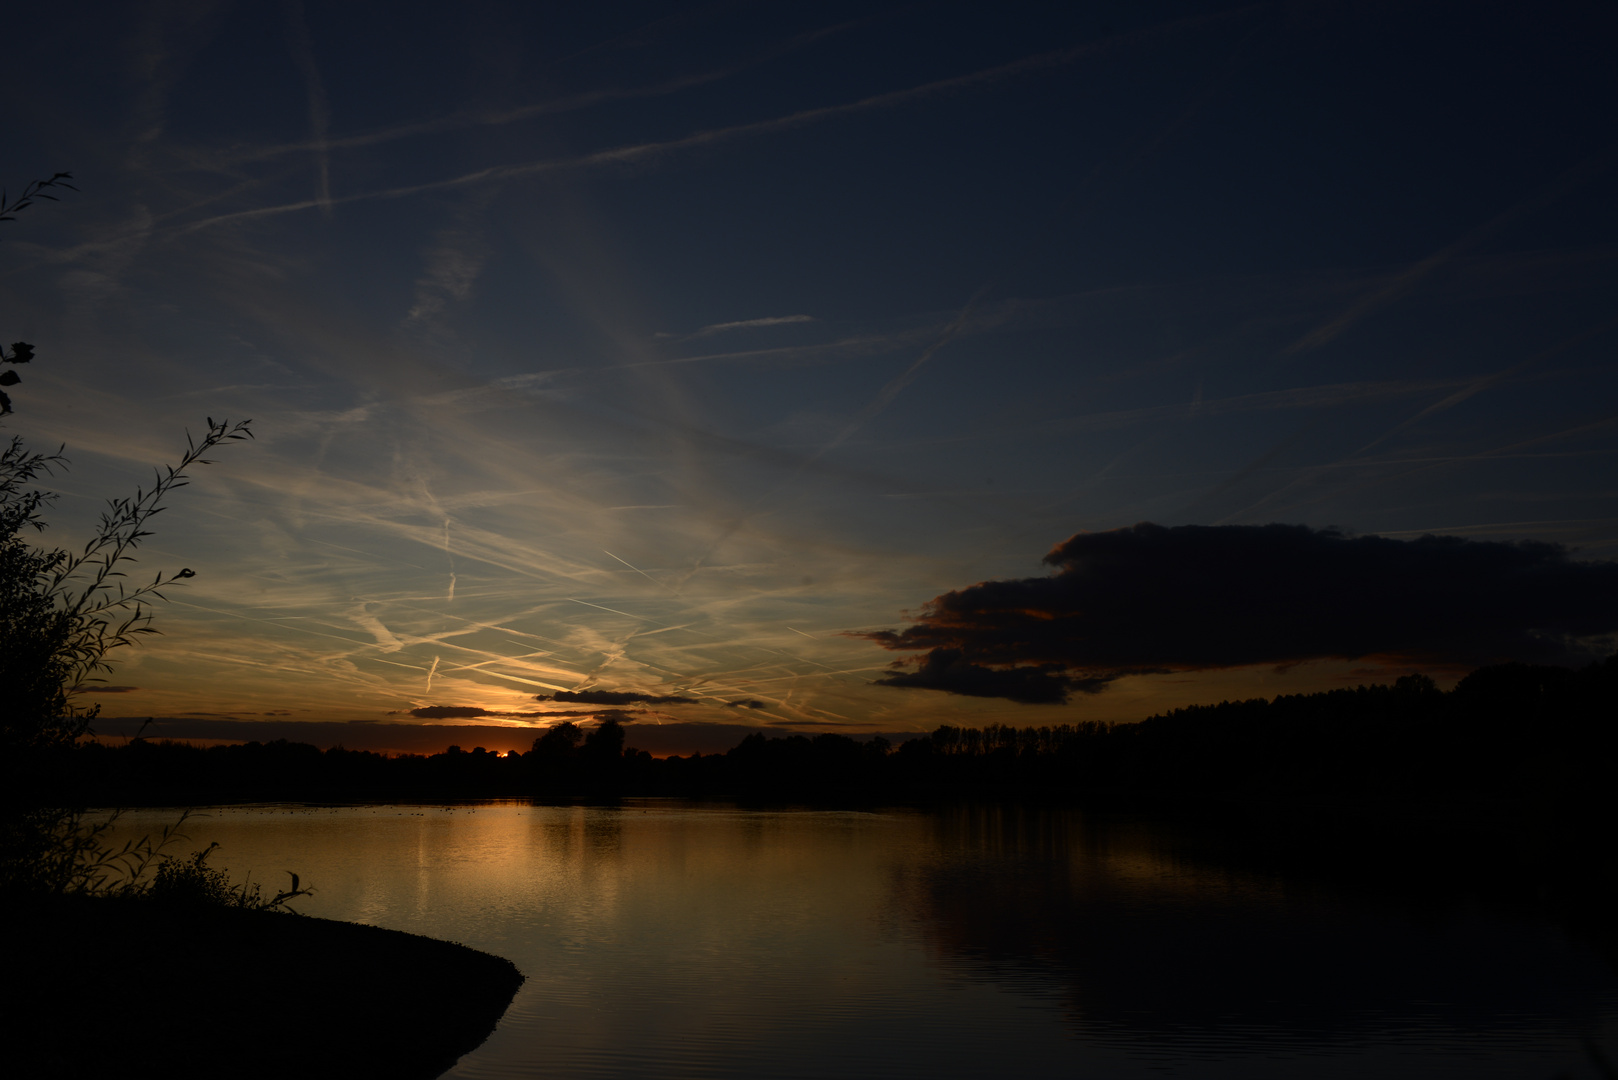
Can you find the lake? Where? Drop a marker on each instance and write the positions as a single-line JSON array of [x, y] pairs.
[[666, 939]]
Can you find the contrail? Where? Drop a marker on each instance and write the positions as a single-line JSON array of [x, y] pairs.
[[430, 675], [451, 556], [615, 611], [1471, 388], [624, 155], [1489, 380], [572, 103], [639, 571], [897, 385], [882, 400], [303, 55], [1412, 276]]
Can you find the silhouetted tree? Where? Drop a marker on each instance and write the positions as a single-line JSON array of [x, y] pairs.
[[606, 743], [64, 611], [553, 762], [560, 741]]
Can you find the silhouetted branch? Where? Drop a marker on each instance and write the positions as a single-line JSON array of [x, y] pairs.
[[21, 351], [91, 601]]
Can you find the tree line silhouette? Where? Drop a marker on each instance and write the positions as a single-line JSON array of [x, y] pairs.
[[1511, 731]]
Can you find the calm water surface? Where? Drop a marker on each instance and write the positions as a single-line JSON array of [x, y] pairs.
[[666, 940]]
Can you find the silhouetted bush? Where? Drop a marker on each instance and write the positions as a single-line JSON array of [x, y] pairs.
[[61, 613], [191, 882]]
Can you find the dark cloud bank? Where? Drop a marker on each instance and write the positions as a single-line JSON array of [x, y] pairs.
[[451, 712], [1151, 599]]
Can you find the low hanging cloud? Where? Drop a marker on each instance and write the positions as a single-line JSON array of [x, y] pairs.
[[1150, 600], [613, 697], [448, 712], [469, 712]]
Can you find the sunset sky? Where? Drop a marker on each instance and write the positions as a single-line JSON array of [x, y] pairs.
[[667, 349]]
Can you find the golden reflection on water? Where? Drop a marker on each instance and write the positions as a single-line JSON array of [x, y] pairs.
[[663, 938]]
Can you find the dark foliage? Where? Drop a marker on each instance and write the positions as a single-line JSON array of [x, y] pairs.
[[191, 882], [63, 613]]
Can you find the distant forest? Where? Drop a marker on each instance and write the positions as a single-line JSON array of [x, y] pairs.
[[1543, 736]]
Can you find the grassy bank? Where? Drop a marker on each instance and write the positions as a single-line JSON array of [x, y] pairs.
[[98, 986]]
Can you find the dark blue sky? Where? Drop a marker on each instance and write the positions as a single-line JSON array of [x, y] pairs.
[[652, 347]]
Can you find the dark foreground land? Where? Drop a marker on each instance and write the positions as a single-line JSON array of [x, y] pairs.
[[98, 987]]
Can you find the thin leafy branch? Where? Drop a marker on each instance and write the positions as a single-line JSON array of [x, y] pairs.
[[21, 351], [19, 504], [36, 189], [103, 612], [81, 861], [60, 615]]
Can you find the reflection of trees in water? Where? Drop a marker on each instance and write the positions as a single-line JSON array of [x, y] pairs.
[[1148, 950], [581, 836]]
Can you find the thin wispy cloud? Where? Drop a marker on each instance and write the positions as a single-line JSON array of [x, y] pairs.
[[650, 151], [1389, 472], [1413, 276], [164, 40], [482, 474], [1483, 383], [896, 386], [303, 56], [750, 324], [570, 103]]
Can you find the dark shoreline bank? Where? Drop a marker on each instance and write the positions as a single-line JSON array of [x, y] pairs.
[[96, 985]]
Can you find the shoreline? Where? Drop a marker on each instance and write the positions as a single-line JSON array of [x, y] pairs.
[[209, 991]]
